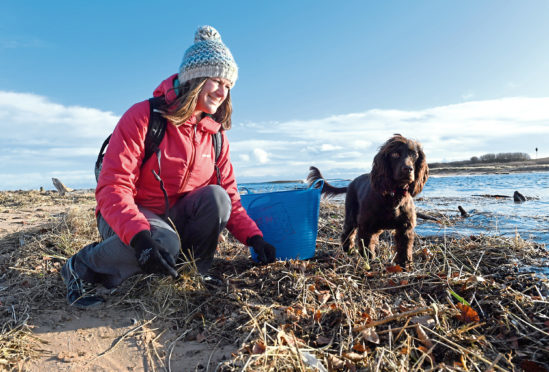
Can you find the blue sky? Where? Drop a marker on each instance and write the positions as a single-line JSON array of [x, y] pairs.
[[319, 83]]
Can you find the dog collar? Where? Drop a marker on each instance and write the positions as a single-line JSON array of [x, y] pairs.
[[400, 191]]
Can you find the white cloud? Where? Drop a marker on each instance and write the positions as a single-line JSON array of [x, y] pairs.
[[261, 156], [42, 139], [452, 132], [31, 118], [329, 147]]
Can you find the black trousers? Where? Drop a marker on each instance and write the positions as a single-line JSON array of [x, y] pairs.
[[199, 217]]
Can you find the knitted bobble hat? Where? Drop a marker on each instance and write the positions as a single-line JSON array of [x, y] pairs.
[[208, 57]]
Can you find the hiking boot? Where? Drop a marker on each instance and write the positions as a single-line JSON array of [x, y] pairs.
[[76, 288]]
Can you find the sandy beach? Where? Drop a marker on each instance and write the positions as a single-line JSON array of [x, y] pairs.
[[463, 303]]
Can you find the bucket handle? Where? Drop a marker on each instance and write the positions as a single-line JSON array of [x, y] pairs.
[[318, 184], [248, 191]]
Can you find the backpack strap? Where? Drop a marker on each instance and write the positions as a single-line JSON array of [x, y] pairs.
[[156, 129], [99, 161], [217, 140], [155, 133]]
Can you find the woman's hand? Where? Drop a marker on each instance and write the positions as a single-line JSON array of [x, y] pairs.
[[266, 253], [150, 256]]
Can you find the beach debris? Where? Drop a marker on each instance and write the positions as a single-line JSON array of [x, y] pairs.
[[370, 335], [495, 196], [312, 361], [426, 216], [462, 211], [468, 314], [61, 188], [518, 197], [466, 305]]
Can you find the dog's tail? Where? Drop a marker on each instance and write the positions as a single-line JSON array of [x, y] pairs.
[[328, 190]]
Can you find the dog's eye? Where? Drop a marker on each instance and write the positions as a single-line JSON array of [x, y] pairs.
[[395, 155]]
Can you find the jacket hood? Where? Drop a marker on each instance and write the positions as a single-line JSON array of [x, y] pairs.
[[166, 89]]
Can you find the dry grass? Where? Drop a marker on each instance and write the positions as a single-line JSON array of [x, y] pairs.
[[465, 305], [29, 262]]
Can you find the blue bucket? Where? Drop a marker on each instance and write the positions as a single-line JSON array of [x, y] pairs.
[[288, 220]]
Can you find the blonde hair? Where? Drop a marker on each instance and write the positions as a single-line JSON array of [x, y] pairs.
[[184, 106]]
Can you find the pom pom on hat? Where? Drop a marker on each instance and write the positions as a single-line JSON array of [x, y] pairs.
[[208, 57], [206, 33]]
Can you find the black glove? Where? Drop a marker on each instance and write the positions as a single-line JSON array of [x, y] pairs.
[[266, 253], [150, 256]]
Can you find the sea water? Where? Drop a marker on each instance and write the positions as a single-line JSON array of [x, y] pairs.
[[487, 198]]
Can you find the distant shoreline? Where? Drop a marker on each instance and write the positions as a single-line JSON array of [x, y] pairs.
[[539, 165], [527, 166]]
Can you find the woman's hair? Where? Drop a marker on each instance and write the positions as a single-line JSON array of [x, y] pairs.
[[184, 106]]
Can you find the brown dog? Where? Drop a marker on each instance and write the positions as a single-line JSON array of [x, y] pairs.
[[382, 199]]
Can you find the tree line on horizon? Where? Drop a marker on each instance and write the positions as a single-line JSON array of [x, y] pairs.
[[502, 157]]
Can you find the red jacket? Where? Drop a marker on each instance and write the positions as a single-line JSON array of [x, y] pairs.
[[187, 163]]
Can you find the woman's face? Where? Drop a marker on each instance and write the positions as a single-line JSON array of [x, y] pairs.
[[212, 95]]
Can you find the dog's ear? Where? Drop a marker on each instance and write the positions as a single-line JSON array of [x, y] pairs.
[[421, 173], [381, 175]]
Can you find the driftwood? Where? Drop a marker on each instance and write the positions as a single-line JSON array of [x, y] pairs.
[[61, 188], [518, 197], [406, 314], [426, 216], [492, 196]]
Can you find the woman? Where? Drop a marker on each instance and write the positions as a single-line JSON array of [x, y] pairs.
[[182, 182]]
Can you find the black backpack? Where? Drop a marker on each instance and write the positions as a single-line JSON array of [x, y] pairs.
[[155, 133]]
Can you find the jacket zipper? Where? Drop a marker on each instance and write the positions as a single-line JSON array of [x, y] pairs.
[[191, 163]]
